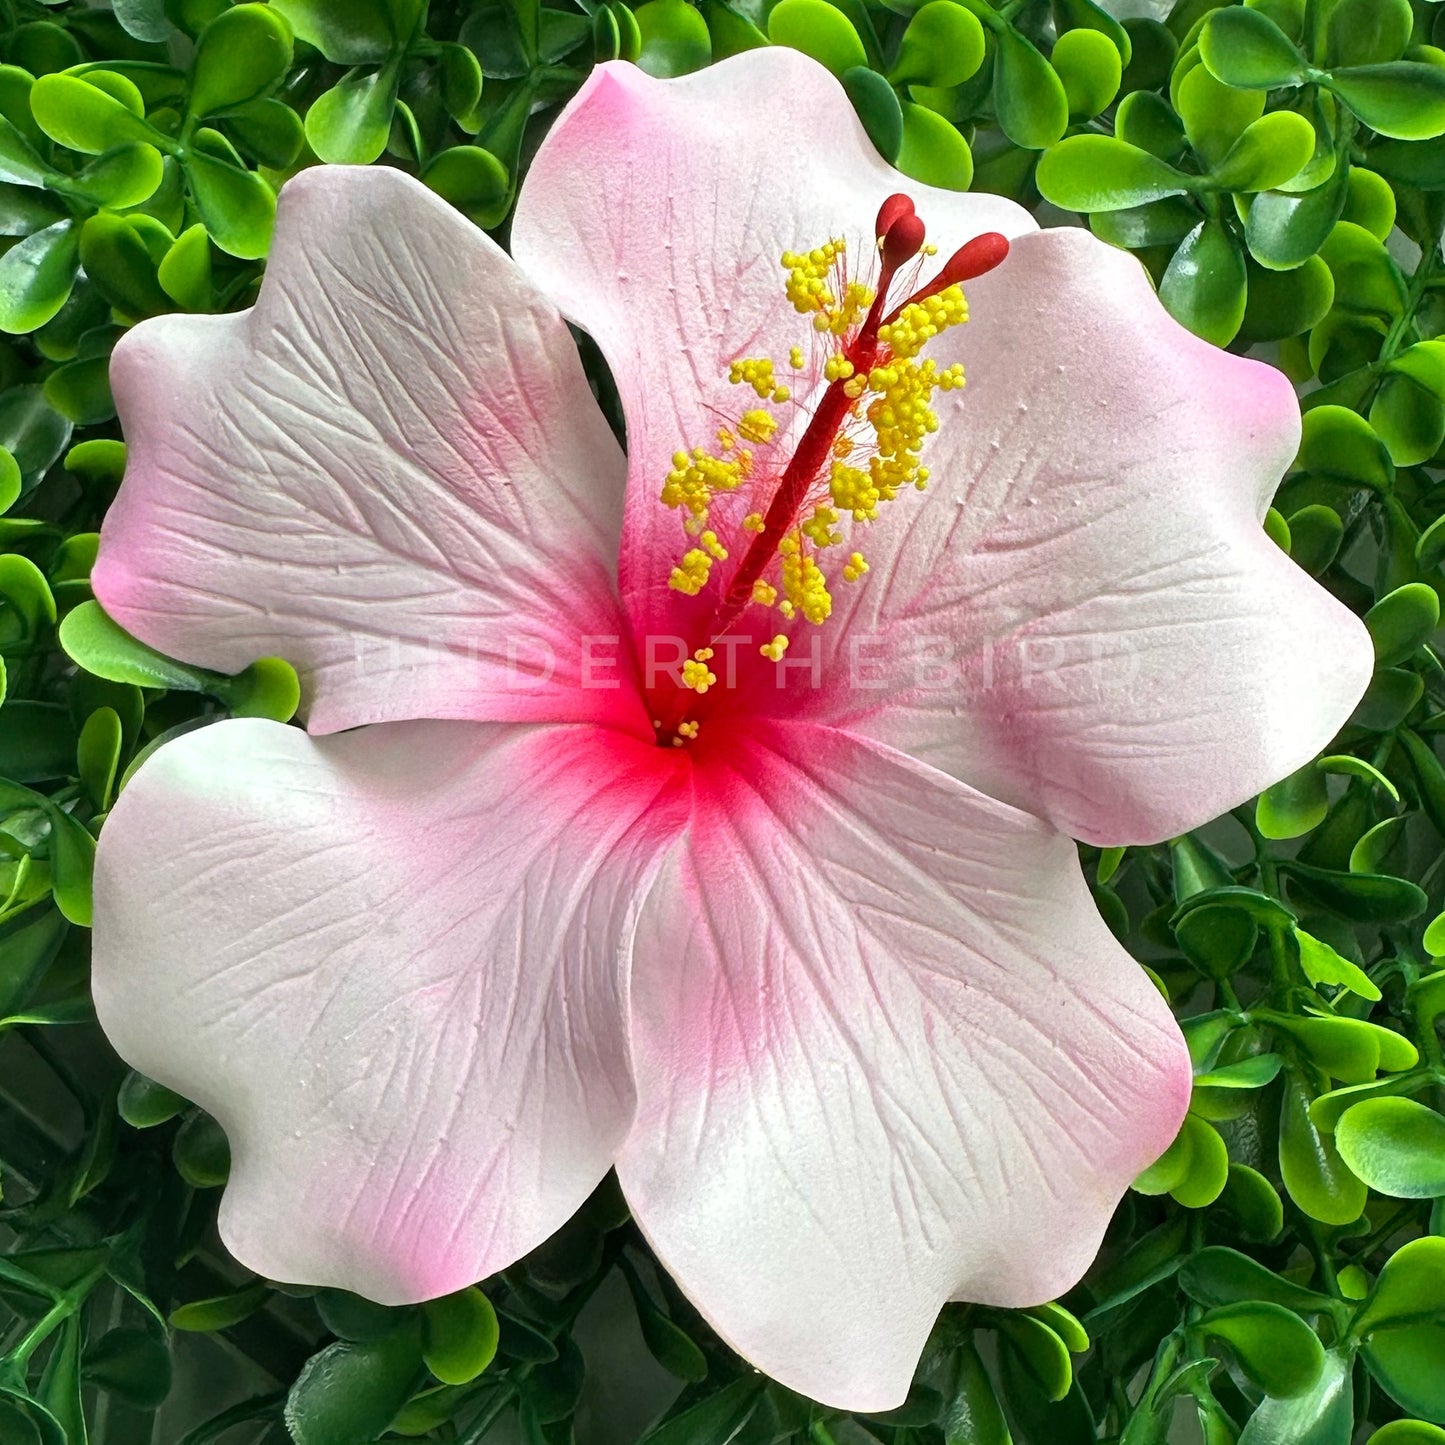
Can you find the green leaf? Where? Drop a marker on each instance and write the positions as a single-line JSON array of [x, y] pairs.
[[732, 33], [118, 262], [716, 1420], [237, 206], [349, 124], [1271, 150], [1028, 96], [1286, 303], [1400, 623], [933, 151], [1323, 1416], [473, 180], [1396, 1146], [143, 1103], [353, 1389], [1410, 1289], [1407, 1432], [98, 754], [943, 46], [1214, 115], [184, 273], [1371, 203], [1293, 806], [1204, 285], [121, 178], [1316, 531], [268, 688], [1407, 1363], [1217, 1276], [75, 111], [878, 108], [221, 1311], [1089, 65], [1428, 773], [1284, 229], [1350, 1050], [1098, 173], [1317, 1179], [1321, 964], [973, 1416], [1043, 1353], [1404, 100], [1244, 47], [240, 55], [1341, 444], [346, 32], [1366, 32], [101, 646], [1254, 1203], [36, 277], [667, 1343], [461, 1336], [817, 29], [1275, 1348], [675, 38]]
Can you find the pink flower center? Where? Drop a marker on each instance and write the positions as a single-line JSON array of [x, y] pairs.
[[762, 506]]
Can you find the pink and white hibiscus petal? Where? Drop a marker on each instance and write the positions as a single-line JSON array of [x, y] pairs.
[[886, 1054], [1082, 615], [393, 964], [655, 214], [390, 471]]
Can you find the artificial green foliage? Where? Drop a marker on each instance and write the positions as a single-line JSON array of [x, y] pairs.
[[1278, 168]]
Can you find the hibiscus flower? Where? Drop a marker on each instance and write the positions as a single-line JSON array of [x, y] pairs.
[[704, 813]]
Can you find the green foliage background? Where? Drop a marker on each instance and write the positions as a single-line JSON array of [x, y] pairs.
[[1279, 1277]]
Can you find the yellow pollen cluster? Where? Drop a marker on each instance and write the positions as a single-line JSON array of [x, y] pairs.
[[920, 321], [757, 426], [901, 418], [685, 730], [854, 568], [691, 574], [764, 592], [837, 368], [696, 674], [696, 475], [795, 358], [809, 288], [775, 649], [805, 589], [757, 372], [818, 529], [753, 522]]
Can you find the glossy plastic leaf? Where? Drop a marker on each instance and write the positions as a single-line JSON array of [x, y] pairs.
[[1204, 286], [817, 29], [1028, 96], [1274, 1347], [1404, 100], [461, 1334], [1396, 1146], [1245, 48], [942, 46], [36, 277], [349, 124]]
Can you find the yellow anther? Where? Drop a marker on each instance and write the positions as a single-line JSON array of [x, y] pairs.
[[756, 372], [775, 649], [753, 522], [819, 527], [691, 574], [764, 592], [780, 394], [795, 358], [843, 446], [725, 438], [703, 654], [713, 547], [854, 568], [804, 585], [757, 426], [786, 608], [688, 729], [855, 386], [920, 321], [697, 675], [837, 368]]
